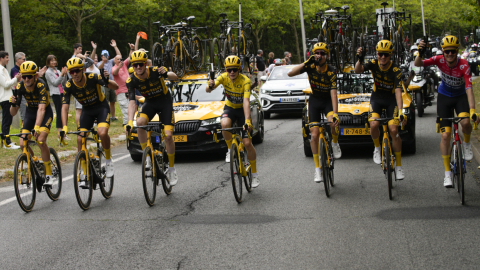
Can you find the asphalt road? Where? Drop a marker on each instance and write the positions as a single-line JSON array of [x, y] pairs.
[[285, 223]]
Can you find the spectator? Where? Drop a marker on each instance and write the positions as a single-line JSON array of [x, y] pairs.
[[289, 55], [54, 79], [6, 84], [271, 59], [107, 65], [276, 62], [93, 68], [260, 65], [19, 59], [120, 75]]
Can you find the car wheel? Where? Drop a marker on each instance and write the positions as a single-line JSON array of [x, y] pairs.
[[136, 157], [261, 131], [307, 149], [266, 115]]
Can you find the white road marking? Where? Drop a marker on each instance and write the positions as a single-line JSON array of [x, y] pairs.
[[70, 177]]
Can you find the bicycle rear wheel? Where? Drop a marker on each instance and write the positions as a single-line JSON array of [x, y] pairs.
[[387, 158], [158, 55], [149, 182], [107, 186], [167, 188], [325, 168], [25, 191], [197, 52], [54, 191], [178, 59], [235, 173], [83, 194], [217, 54], [247, 179], [331, 160], [461, 173]]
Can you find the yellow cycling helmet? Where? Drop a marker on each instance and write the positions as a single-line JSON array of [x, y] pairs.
[[320, 46], [28, 67], [384, 46], [130, 70], [138, 56], [232, 62], [75, 63], [449, 41]]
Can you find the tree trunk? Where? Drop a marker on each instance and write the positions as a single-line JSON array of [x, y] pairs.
[[150, 33], [299, 54], [78, 27]]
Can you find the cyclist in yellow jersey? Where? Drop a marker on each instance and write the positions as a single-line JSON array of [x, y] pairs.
[[39, 114], [237, 107], [86, 89]]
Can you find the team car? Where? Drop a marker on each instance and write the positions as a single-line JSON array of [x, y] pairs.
[[353, 92], [197, 117], [283, 94]]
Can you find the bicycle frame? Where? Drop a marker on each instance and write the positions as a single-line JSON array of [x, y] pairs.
[[238, 143], [88, 156]]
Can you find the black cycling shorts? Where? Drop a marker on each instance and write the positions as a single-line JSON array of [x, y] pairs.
[[387, 104], [100, 112], [237, 116], [31, 117], [446, 105], [163, 107], [317, 106]]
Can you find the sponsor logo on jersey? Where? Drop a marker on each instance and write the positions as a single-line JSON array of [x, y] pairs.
[[129, 80], [91, 75], [68, 84]]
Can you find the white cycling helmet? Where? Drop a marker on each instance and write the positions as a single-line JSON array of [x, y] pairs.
[[434, 50], [414, 47], [439, 52]]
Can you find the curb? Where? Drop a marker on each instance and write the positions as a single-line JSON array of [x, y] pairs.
[[62, 154]]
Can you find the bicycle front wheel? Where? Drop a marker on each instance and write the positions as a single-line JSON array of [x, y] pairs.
[[178, 59], [54, 191], [197, 52], [235, 173], [149, 182], [158, 55], [25, 190], [388, 166], [325, 168], [247, 179], [107, 186], [167, 188], [83, 185], [461, 173]]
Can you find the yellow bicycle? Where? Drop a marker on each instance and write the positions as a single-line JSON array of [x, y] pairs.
[[29, 174], [90, 170], [240, 167]]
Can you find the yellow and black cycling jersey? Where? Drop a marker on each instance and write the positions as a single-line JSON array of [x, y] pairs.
[[153, 87], [89, 94], [234, 91], [321, 82], [39, 94], [386, 81]]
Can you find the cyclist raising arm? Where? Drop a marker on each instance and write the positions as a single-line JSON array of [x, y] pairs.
[[237, 108], [150, 82], [387, 94], [39, 114], [323, 82], [454, 93]]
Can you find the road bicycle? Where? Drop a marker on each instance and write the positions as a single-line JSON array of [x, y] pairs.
[[87, 178], [388, 158], [29, 174], [457, 160], [240, 168], [162, 55], [325, 152], [154, 163]]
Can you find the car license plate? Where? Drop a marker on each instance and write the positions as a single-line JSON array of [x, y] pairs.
[[354, 131], [289, 100], [180, 138]]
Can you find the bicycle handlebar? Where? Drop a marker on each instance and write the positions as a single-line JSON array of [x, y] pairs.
[[24, 134]]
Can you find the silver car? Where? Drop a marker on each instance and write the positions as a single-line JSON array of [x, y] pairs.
[[283, 94]]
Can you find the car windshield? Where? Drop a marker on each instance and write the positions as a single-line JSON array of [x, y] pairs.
[[281, 73], [355, 83], [195, 92]]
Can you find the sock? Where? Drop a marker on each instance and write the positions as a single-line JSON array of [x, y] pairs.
[[143, 145], [449, 173], [171, 169], [398, 158], [171, 160], [376, 142], [378, 149], [254, 174], [108, 154], [229, 143], [466, 137], [446, 163], [316, 159], [83, 163], [48, 167], [254, 165], [318, 170], [334, 139], [108, 161]]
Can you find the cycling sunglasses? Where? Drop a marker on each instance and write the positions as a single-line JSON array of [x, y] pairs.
[[27, 77], [450, 51], [74, 71], [230, 70], [380, 55], [137, 65], [321, 53]]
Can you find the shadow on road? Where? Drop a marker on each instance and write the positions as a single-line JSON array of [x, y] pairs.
[[434, 212]]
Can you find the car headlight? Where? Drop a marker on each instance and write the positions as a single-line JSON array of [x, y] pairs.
[[406, 110], [266, 91], [211, 121], [439, 74]]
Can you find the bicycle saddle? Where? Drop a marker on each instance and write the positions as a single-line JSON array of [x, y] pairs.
[[223, 15], [345, 7], [191, 18], [156, 23], [331, 12], [384, 4], [181, 24]]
